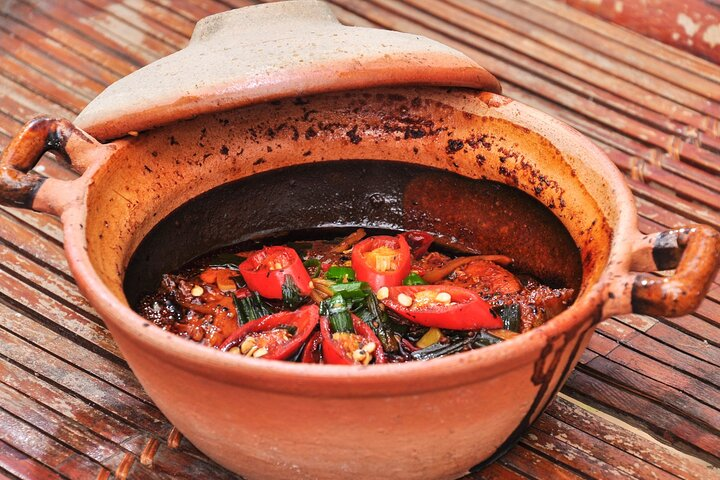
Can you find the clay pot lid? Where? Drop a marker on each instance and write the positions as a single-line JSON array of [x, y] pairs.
[[267, 52]]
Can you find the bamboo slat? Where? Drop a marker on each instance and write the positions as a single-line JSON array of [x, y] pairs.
[[644, 401]]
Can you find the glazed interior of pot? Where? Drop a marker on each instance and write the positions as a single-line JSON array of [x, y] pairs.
[[305, 201], [458, 163]]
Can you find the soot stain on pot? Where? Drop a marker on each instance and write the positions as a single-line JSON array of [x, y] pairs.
[[454, 146], [514, 166], [353, 135], [543, 378]]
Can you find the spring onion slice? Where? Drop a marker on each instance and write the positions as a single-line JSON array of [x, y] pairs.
[[340, 274], [414, 279], [352, 290], [338, 314], [250, 308], [371, 313], [291, 297]]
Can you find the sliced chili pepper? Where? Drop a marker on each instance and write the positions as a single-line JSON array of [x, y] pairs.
[[280, 335], [313, 349], [442, 306], [382, 261], [265, 271], [418, 241], [340, 347]]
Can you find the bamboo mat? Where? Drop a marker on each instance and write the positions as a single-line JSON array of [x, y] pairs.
[[643, 402]]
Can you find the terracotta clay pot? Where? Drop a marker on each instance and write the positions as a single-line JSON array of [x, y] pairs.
[[237, 150]]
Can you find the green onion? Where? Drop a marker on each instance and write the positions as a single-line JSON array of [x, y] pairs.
[[312, 265], [438, 350], [371, 313], [239, 281], [340, 274], [352, 290], [338, 314], [227, 260], [478, 340], [414, 279], [250, 308], [291, 297]]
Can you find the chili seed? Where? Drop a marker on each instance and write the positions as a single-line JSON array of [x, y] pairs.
[[234, 350], [260, 352], [247, 344], [405, 300], [252, 351], [359, 355], [382, 293], [370, 347], [196, 291], [443, 297]]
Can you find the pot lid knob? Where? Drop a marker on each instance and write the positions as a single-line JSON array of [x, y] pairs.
[[267, 52]]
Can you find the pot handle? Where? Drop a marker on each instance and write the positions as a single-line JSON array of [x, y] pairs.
[[20, 187], [694, 253]]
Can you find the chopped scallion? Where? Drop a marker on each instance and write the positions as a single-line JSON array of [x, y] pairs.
[[338, 314], [291, 297], [352, 290], [250, 308], [414, 279], [477, 340], [340, 274], [371, 313]]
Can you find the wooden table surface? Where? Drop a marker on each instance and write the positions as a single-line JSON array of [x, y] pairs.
[[643, 402]]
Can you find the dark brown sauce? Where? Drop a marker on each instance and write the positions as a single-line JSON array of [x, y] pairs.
[[213, 315]]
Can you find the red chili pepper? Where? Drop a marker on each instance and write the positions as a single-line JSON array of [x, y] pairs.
[[418, 241], [268, 332], [382, 261], [265, 271], [334, 353], [313, 349], [465, 310]]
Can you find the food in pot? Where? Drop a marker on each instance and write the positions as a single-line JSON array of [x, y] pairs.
[[357, 300]]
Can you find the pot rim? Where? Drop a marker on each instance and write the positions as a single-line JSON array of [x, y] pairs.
[[414, 377]]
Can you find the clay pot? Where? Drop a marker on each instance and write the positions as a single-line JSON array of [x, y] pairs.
[[246, 163]]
